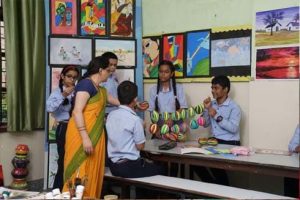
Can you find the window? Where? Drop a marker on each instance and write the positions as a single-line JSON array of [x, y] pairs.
[[3, 107]]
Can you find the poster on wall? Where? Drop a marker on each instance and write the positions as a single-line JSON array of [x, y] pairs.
[[63, 18], [197, 53], [125, 75], [122, 19], [124, 49], [52, 163], [173, 48], [55, 76], [231, 53], [277, 27], [93, 19], [277, 63], [151, 56], [72, 51]]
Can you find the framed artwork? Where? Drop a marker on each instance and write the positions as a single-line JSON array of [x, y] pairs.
[[124, 49], [122, 18], [231, 53], [52, 125], [197, 53], [277, 27], [125, 75], [173, 48], [72, 51], [151, 56], [93, 19], [52, 163], [277, 63], [63, 17], [55, 76]]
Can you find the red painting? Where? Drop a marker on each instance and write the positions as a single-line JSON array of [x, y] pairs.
[[277, 63], [173, 50]]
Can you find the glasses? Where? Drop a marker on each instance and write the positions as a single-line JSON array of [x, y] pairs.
[[71, 77]]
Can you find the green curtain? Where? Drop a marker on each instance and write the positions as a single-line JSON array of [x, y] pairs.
[[24, 22]]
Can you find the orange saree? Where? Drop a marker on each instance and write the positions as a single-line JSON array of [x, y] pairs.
[[77, 163]]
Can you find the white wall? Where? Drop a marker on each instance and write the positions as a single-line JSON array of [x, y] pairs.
[[35, 141], [270, 108]]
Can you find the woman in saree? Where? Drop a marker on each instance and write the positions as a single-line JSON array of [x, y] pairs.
[[85, 138]]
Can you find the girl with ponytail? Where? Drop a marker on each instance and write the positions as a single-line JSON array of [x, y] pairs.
[[59, 105]]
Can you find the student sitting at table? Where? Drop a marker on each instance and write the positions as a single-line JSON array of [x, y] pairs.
[[291, 185], [223, 116], [126, 138]]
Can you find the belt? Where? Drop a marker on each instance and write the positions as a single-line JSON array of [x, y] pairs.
[[122, 160], [63, 122]]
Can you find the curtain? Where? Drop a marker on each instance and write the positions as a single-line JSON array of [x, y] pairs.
[[24, 23]]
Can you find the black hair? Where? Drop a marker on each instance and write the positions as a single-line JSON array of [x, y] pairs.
[[127, 92], [110, 55], [61, 84], [221, 80], [97, 63], [172, 68]]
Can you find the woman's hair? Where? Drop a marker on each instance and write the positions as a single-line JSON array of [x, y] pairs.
[[61, 84], [95, 64], [172, 68]]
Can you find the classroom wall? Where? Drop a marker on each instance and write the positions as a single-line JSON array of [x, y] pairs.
[[270, 107], [35, 141]]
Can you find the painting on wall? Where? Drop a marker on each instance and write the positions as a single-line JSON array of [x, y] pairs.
[[52, 125], [52, 163], [173, 48], [125, 75], [198, 53], [151, 56], [231, 53], [93, 19], [55, 76], [63, 17], [124, 49], [277, 63], [277, 27], [73, 51], [122, 19]]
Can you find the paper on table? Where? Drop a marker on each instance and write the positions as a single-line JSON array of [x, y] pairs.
[[195, 150]]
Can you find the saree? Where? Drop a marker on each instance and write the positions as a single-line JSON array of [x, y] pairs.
[[77, 163]]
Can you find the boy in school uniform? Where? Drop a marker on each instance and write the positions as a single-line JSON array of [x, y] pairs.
[[126, 138], [223, 116]]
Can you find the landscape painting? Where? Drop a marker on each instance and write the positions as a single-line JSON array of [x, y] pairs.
[[277, 63], [277, 27]]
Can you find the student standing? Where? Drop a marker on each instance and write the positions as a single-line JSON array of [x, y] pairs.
[[167, 96], [59, 105], [223, 116], [85, 139]]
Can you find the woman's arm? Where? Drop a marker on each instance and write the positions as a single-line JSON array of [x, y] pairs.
[[80, 103]]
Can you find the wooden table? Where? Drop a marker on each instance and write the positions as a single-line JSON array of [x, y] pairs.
[[268, 164]]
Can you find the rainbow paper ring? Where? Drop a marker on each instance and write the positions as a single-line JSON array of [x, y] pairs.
[[191, 112], [176, 116], [175, 128], [201, 121], [154, 116], [153, 129], [164, 129], [193, 124]]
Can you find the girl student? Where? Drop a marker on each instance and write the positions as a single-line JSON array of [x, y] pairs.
[[59, 105], [167, 97]]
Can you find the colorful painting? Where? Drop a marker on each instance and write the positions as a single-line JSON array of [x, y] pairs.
[[63, 17], [277, 27], [125, 75], [52, 124], [73, 51], [124, 49], [197, 53], [122, 18], [277, 63], [151, 56], [231, 52], [55, 76], [173, 46], [93, 17], [52, 163]]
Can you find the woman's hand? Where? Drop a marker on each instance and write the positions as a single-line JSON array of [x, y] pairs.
[[87, 145]]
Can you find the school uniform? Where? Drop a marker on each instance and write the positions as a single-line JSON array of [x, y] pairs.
[[59, 107], [124, 131]]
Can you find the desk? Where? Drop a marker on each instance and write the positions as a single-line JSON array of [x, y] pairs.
[[268, 164]]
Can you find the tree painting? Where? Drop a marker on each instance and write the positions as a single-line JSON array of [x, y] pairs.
[[271, 20]]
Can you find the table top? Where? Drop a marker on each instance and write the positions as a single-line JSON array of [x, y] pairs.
[[281, 161]]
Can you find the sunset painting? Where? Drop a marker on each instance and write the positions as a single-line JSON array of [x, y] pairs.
[[277, 63]]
